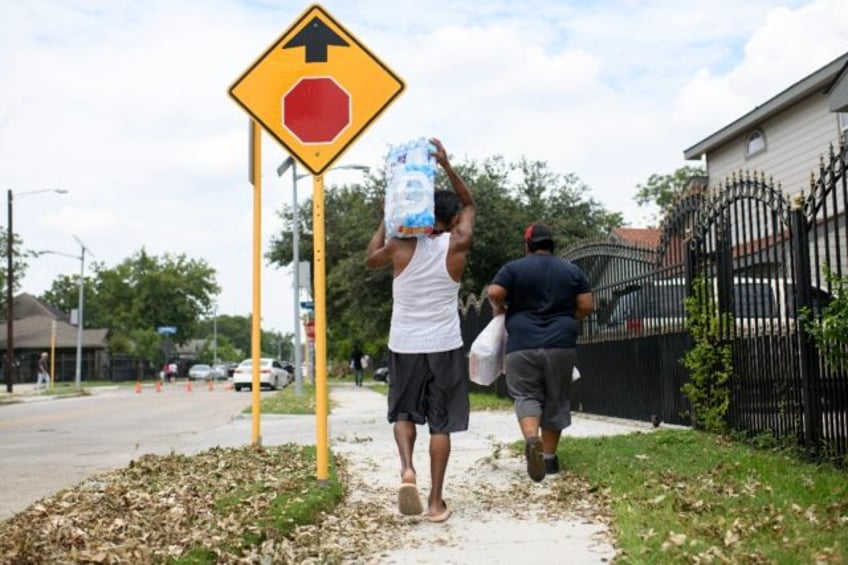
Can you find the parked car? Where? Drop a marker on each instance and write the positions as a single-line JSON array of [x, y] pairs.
[[201, 371], [272, 374], [760, 306], [221, 371]]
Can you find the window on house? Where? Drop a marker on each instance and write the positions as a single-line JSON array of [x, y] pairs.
[[756, 143], [843, 122]]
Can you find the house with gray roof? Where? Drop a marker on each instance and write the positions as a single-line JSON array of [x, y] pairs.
[[38, 327]]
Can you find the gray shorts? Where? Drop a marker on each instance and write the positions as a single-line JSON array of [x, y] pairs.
[[429, 388], [539, 380]]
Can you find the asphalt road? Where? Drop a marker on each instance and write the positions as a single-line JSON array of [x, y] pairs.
[[49, 445]]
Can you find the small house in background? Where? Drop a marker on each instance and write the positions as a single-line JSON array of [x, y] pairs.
[[648, 238], [39, 327]]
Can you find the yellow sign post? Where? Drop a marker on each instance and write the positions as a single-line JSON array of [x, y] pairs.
[[255, 328], [315, 90]]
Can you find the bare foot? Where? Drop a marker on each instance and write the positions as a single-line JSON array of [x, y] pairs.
[[438, 512], [408, 476]]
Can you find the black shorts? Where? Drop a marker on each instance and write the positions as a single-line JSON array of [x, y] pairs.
[[430, 388]]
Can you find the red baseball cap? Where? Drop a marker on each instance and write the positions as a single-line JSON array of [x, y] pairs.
[[537, 232]]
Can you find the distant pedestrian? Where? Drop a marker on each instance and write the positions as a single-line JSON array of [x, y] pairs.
[[43, 372], [173, 371], [544, 298], [356, 364]]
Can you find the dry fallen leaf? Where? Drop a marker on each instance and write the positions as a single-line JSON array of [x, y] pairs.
[[730, 537], [677, 539]]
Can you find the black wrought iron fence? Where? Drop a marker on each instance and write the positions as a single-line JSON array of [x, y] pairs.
[[770, 264]]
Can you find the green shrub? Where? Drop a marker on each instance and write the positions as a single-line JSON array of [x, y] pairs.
[[709, 362], [830, 331]]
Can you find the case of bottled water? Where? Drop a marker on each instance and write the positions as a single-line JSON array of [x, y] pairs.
[[409, 206]]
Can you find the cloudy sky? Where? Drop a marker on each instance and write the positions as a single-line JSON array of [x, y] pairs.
[[124, 104]]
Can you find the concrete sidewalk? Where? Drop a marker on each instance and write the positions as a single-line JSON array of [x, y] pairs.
[[499, 514]]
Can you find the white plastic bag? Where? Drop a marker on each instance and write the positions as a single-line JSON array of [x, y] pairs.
[[486, 357], [575, 374]]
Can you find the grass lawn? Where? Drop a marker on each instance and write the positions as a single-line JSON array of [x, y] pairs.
[[690, 497], [287, 401], [489, 401]]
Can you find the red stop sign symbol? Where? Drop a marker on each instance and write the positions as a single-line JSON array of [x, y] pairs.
[[316, 110]]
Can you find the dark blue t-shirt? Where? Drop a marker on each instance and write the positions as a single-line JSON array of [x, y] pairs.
[[541, 299]]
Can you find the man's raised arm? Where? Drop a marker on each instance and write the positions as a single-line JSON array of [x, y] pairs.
[[378, 254], [467, 214]]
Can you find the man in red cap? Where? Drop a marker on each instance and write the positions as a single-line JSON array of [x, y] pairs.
[[544, 298]]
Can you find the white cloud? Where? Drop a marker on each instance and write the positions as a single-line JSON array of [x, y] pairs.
[[125, 105]]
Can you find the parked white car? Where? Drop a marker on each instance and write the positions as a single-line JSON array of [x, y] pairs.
[[220, 371], [272, 375], [200, 371]]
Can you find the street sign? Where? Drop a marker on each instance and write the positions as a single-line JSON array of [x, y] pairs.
[[316, 89], [310, 330], [166, 330], [308, 305]]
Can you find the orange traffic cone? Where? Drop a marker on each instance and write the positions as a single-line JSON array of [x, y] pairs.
[[188, 385], [158, 385], [138, 386], [210, 385]]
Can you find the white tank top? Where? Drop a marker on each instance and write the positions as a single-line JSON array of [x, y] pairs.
[[425, 314]]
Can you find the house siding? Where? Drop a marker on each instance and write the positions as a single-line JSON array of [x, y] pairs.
[[795, 138]]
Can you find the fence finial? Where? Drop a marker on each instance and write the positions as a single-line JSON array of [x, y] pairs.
[[796, 201]]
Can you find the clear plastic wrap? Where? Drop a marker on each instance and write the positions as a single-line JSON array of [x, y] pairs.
[[409, 205]]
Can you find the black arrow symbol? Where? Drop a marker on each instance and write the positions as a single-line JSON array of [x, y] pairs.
[[316, 37]]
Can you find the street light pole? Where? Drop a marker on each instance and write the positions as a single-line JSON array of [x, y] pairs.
[[215, 336], [80, 318], [296, 177], [10, 281], [298, 375], [80, 303], [284, 166], [10, 336]]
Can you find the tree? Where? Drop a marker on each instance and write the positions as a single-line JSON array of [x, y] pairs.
[[234, 339], [64, 295], [19, 265], [225, 351], [662, 190], [139, 295], [565, 204]]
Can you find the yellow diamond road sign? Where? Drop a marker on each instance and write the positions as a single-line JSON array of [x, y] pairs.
[[316, 89]]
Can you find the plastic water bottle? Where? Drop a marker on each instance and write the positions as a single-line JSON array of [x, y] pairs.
[[409, 192]]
